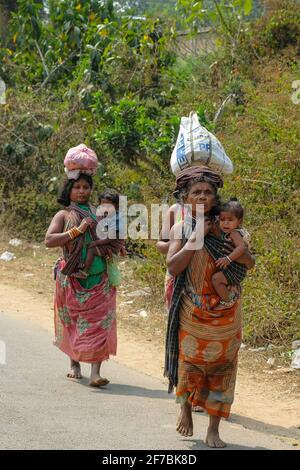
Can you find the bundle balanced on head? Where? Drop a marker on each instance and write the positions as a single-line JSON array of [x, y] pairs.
[[204, 321], [85, 305]]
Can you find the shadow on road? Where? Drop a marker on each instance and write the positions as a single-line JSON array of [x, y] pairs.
[[256, 425], [127, 390], [199, 445]]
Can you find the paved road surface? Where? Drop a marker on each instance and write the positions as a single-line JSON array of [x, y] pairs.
[[41, 409]]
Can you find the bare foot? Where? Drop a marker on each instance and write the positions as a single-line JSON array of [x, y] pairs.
[[197, 409], [233, 295], [75, 372], [98, 381], [213, 439], [185, 421]]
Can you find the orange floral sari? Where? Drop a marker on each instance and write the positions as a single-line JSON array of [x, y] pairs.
[[209, 342]]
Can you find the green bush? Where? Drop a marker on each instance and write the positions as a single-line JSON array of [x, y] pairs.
[[281, 28], [29, 213]]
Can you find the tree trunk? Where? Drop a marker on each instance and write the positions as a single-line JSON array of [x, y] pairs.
[[6, 8], [11, 5]]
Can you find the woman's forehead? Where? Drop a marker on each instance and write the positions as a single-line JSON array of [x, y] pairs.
[[81, 181], [202, 185]]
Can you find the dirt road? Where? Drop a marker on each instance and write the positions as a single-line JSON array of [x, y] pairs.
[[259, 406]]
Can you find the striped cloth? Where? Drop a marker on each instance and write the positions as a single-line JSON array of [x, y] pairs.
[[235, 272], [172, 346]]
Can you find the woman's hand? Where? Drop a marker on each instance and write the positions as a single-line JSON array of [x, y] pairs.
[[197, 232], [207, 225], [85, 223]]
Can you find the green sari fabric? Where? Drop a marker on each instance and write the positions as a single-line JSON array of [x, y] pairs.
[[98, 265]]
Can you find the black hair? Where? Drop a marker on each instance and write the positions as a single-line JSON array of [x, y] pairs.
[[233, 206], [111, 195], [64, 191]]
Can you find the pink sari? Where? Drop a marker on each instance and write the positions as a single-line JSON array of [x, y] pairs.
[[85, 319]]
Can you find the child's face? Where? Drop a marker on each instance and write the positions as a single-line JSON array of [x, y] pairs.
[[228, 221], [106, 208]]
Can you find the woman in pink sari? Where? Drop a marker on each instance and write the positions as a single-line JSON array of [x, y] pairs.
[[84, 309]]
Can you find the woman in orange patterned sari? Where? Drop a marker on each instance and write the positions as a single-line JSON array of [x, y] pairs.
[[207, 341]]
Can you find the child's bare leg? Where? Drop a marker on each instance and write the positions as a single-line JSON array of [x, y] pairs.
[[83, 273], [228, 294], [91, 253], [220, 284]]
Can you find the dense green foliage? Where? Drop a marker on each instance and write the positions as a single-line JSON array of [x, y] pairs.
[[86, 72]]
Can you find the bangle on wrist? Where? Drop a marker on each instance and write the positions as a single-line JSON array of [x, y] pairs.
[[70, 234], [229, 259], [74, 232]]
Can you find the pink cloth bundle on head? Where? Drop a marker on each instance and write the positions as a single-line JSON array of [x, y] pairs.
[[80, 159]]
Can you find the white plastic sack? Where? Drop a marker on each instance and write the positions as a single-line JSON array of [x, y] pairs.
[[15, 242], [296, 359], [7, 256], [196, 146]]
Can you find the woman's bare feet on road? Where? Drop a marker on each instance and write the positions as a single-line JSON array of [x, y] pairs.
[[96, 380], [185, 421], [213, 439], [75, 372]]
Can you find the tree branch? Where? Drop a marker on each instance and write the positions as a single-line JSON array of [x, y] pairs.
[[55, 69], [42, 58], [222, 107], [19, 138]]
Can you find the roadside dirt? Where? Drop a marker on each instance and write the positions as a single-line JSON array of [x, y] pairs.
[[266, 399]]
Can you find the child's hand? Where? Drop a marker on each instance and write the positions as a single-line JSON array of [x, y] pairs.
[[108, 254], [222, 263], [207, 225], [123, 251]]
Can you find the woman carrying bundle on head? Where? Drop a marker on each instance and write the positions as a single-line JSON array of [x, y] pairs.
[[202, 343], [85, 309]]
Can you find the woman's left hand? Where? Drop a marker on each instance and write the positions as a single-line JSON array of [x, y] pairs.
[[207, 225]]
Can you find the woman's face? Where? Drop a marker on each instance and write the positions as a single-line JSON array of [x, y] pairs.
[[80, 192], [201, 193]]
